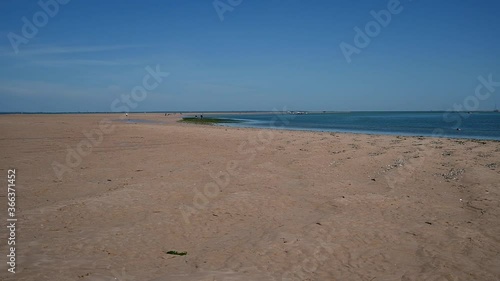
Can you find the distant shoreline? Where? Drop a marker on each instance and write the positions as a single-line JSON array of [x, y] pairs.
[[353, 127], [245, 112]]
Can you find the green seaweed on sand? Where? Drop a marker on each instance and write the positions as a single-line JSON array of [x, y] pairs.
[[176, 253], [207, 121]]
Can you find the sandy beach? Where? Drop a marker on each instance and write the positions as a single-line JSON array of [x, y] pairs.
[[102, 201]]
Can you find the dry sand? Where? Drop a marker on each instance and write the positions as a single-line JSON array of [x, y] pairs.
[[247, 204]]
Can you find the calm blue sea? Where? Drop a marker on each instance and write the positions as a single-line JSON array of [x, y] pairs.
[[475, 125]]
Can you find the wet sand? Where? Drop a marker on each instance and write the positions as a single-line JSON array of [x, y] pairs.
[[245, 204]]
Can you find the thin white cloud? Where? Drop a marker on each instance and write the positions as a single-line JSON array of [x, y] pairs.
[[79, 62], [55, 50], [28, 88], [216, 87]]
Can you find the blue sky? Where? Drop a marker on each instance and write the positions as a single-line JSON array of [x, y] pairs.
[[262, 55]]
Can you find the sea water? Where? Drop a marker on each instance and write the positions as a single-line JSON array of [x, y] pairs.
[[474, 125]]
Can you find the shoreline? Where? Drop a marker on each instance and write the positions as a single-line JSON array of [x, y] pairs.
[[159, 119], [241, 124], [248, 112], [364, 133]]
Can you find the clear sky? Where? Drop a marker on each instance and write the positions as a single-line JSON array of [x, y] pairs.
[[264, 54]]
